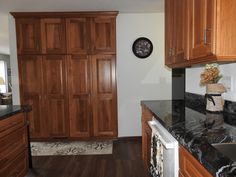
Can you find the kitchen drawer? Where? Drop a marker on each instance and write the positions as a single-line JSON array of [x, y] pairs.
[[12, 145], [18, 167], [12, 123]]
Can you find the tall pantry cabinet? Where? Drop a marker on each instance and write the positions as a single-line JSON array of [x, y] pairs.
[[67, 68]]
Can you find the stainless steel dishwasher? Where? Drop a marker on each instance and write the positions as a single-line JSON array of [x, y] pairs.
[[164, 152]]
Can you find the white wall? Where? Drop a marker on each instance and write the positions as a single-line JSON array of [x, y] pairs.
[[193, 80], [13, 60], [139, 79], [4, 37]]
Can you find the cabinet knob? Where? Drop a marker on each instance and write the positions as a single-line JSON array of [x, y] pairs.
[[205, 36]]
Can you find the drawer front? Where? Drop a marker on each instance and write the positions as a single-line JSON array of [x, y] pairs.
[[12, 123], [18, 167], [12, 145]]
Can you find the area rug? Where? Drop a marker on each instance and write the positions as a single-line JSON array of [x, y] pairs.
[[71, 148]]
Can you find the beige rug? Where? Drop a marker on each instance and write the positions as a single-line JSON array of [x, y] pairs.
[[71, 148]]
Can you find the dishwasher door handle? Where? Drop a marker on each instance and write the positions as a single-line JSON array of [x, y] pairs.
[[168, 141]]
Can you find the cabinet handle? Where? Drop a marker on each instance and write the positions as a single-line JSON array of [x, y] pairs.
[[205, 36]]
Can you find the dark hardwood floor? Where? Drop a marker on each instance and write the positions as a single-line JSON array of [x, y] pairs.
[[124, 162]]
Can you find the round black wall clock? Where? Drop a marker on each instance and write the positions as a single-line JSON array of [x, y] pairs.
[[142, 47]]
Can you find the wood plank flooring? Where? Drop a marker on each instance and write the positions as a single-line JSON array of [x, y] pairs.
[[124, 162]]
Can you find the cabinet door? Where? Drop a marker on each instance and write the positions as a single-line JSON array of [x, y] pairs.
[[77, 35], [79, 95], [55, 94], [104, 95], [180, 30], [169, 32], [189, 166], [201, 26], [30, 68], [53, 35], [146, 144], [28, 36], [103, 35]]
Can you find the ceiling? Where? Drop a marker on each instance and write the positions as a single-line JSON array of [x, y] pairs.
[[123, 6]]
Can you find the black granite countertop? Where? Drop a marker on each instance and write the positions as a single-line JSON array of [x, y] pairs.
[[196, 132], [9, 110]]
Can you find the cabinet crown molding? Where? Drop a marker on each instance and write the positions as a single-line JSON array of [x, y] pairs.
[[64, 14]]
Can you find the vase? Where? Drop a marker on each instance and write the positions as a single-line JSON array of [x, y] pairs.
[[214, 100]]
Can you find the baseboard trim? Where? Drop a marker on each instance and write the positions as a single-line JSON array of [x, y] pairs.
[[130, 138]]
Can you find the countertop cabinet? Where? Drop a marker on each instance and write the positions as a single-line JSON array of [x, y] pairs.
[[189, 166], [13, 146], [203, 29]]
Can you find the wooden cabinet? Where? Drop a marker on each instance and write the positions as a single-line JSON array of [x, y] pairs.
[[43, 86], [28, 35], [203, 29], [13, 146], [78, 35], [53, 36], [189, 166], [55, 94], [175, 32], [79, 82], [70, 80], [103, 35], [104, 95], [31, 87], [146, 137], [201, 26]]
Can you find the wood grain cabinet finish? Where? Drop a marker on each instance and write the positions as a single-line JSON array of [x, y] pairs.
[[13, 146], [208, 28], [189, 166], [103, 35], [201, 16], [70, 80], [104, 95], [53, 36], [146, 137], [55, 94], [28, 35], [31, 91], [78, 35], [176, 29], [79, 85]]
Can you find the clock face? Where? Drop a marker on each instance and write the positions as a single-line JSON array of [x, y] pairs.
[[142, 47]]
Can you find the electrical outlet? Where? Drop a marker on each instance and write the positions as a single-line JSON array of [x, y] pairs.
[[227, 81]]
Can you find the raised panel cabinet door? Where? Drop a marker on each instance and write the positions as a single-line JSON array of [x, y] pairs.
[[180, 30], [169, 32], [30, 72], [103, 35], [78, 35], [28, 36], [189, 166], [104, 95], [79, 95], [53, 35], [55, 97], [201, 28]]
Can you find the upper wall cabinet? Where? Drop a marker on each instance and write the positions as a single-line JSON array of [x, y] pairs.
[[53, 36], [103, 35], [208, 33], [28, 33]]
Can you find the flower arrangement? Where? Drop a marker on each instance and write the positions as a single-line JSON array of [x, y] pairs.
[[211, 74]]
